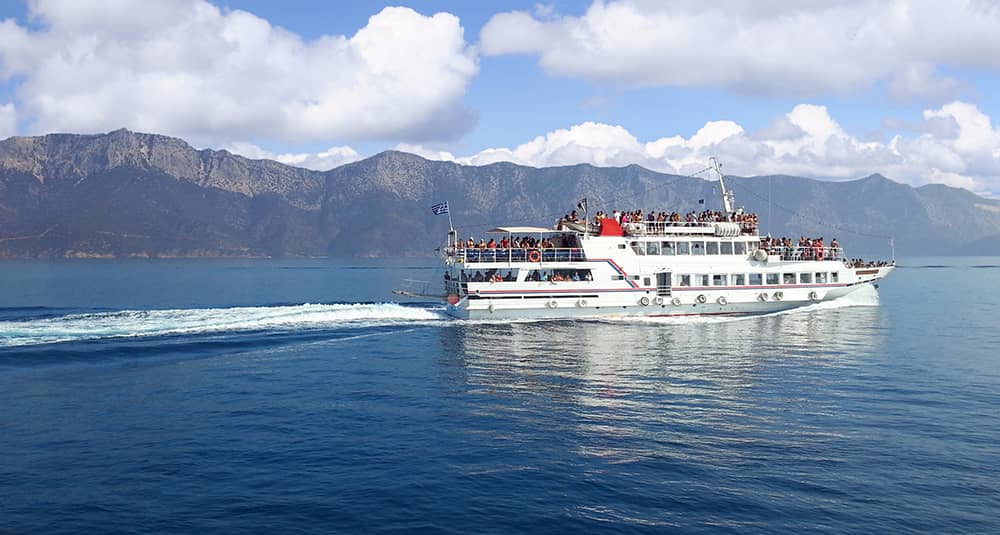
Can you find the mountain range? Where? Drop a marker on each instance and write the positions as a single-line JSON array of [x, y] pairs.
[[128, 194]]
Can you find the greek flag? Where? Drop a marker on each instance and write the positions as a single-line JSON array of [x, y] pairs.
[[440, 208]]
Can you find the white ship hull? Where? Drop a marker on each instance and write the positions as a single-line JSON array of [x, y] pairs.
[[681, 302]]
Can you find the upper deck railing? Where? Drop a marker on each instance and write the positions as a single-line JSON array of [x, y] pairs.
[[798, 254], [548, 254], [671, 228]]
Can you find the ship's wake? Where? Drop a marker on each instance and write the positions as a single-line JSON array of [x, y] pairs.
[[152, 323]]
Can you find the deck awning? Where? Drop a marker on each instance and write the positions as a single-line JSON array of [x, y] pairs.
[[523, 230]]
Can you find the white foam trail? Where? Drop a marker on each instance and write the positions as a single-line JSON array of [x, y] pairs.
[[142, 323]]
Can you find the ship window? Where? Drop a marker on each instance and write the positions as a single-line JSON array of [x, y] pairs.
[[638, 247], [739, 279], [740, 247], [805, 278], [683, 247], [820, 278], [617, 277], [635, 277], [712, 247], [787, 278], [685, 280], [621, 245], [668, 248], [653, 248], [698, 247], [772, 278], [719, 280], [756, 279], [701, 279], [645, 281], [835, 276], [726, 247]]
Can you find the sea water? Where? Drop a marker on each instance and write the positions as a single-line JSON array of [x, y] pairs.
[[301, 395]]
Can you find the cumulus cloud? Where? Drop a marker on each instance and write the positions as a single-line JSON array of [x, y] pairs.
[[189, 68], [778, 48], [319, 161], [955, 144], [8, 120]]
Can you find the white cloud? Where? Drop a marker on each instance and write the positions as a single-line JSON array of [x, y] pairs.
[[8, 120], [426, 152], [319, 161], [191, 69], [955, 144], [767, 47]]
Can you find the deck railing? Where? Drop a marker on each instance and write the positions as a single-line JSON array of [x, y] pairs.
[[517, 255], [670, 228], [798, 254]]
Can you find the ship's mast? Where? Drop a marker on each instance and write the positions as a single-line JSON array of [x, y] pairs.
[[727, 195]]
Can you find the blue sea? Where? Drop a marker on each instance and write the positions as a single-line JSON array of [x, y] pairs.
[[298, 396]]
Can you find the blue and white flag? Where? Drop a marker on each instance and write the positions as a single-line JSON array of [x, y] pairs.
[[440, 208]]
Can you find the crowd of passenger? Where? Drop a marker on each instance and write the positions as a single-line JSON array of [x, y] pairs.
[[539, 275], [514, 242], [526, 242], [747, 221], [860, 263], [803, 249]]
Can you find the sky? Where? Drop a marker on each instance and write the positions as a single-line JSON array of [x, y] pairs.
[[820, 88]]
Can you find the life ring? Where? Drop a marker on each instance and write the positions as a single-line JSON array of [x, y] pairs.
[[813, 296], [581, 303], [534, 256], [644, 301], [722, 300], [762, 297], [778, 296], [552, 304], [658, 300], [676, 301], [701, 298]]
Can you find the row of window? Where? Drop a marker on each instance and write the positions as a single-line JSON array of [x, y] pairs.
[[677, 248], [756, 279]]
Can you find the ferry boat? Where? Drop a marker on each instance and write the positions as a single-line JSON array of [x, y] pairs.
[[604, 268]]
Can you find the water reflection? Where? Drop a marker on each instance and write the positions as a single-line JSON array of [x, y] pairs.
[[675, 408], [694, 393], [675, 357]]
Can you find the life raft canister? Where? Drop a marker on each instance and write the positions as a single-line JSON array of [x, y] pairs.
[[534, 256]]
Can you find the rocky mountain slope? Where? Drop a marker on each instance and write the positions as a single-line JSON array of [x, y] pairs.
[[131, 194]]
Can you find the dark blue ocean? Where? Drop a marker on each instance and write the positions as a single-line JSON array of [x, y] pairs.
[[287, 396]]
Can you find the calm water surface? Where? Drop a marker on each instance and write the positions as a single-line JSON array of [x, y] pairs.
[[300, 396]]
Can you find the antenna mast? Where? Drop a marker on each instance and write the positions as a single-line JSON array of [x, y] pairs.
[[727, 195]]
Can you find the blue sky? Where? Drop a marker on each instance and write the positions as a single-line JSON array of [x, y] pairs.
[[829, 89]]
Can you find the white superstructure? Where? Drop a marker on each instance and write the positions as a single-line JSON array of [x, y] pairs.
[[644, 269]]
